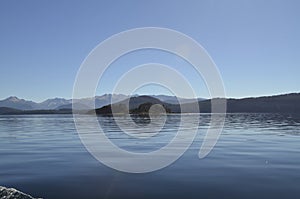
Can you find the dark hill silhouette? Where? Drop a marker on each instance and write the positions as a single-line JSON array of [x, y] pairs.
[[6, 110], [128, 104], [288, 103], [145, 108], [11, 111]]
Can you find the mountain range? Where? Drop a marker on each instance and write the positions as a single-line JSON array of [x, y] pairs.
[[286, 103], [85, 103]]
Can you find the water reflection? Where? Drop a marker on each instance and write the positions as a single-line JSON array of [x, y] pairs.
[[257, 156], [274, 123]]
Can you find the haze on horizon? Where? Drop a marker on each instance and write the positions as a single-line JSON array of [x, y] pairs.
[[255, 44]]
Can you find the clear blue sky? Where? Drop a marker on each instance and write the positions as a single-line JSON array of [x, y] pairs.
[[255, 44]]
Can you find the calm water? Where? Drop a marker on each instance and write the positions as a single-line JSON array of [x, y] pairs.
[[257, 156]]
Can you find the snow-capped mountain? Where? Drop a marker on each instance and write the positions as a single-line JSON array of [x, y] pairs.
[[53, 103], [174, 99], [99, 101], [16, 103]]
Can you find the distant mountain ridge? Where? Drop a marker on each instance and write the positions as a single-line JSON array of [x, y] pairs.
[[83, 103], [21, 104], [286, 103]]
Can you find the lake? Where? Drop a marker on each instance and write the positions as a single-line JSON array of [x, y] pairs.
[[257, 156]]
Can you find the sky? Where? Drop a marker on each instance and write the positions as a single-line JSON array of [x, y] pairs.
[[255, 44]]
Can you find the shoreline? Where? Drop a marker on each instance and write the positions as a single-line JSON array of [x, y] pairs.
[[11, 193]]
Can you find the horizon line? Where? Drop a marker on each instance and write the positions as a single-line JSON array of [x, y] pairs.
[[227, 97]]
